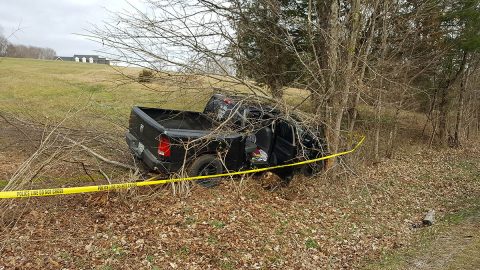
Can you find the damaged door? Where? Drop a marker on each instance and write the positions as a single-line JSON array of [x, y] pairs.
[[284, 147]]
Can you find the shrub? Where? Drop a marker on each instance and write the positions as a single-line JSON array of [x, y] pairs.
[[145, 76]]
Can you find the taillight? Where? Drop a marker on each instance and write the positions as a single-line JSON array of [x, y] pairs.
[[164, 146]]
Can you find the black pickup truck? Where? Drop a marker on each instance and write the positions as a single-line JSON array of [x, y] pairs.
[[232, 133]]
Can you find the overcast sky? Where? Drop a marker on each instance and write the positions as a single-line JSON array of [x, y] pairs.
[[53, 23]]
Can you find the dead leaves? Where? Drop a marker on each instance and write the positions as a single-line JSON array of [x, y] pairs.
[[310, 225]]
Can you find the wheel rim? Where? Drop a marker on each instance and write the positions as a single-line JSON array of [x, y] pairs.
[[208, 169]]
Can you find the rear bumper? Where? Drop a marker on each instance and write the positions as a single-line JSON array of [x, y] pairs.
[[146, 156]]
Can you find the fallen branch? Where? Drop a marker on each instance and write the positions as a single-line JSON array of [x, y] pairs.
[[89, 150], [105, 175], [15, 126], [84, 167], [102, 158]]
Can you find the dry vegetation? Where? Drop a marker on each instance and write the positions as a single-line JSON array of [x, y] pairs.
[[347, 222]]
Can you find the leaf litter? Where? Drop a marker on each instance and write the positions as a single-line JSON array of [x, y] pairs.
[[314, 223]]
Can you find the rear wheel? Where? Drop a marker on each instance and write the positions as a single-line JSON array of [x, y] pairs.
[[206, 165], [313, 168]]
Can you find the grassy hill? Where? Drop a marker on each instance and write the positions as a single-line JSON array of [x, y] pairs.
[[88, 92]]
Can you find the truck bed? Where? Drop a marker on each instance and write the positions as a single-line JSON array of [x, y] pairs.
[[147, 127], [171, 119]]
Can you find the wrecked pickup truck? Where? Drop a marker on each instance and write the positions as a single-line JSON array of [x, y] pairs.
[[233, 133]]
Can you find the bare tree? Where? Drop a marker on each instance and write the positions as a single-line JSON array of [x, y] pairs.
[[3, 43], [386, 54]]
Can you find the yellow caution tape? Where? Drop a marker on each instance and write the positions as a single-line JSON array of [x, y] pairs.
[[153, 181]]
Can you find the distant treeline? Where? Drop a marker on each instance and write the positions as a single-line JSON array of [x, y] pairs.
[[22, 51], [8, 49]]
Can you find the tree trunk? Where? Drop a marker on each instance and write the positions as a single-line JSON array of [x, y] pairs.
[[345, 90], [444, 101], [355, 111], [442, 116], [378, 108], [331, 78], [361, 76], [430, 113], [377, 127], [458, 123], [393, 132]]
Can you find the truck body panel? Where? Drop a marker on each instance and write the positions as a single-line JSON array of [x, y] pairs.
[[234, 131], [184, 130]]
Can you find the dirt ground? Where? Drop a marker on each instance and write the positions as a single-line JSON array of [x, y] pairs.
[[315, 223], [452, 243], [456, 248]]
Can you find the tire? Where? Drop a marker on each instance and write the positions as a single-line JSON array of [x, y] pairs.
[[206, 165], [312, 168]]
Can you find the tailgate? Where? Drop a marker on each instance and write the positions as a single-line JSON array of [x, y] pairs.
[[145, 130]]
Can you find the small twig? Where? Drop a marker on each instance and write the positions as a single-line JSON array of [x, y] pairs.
[[85, 169], [15, 126], [105, 175]]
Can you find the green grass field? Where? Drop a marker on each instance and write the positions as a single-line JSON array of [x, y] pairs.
[[90, 94]]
